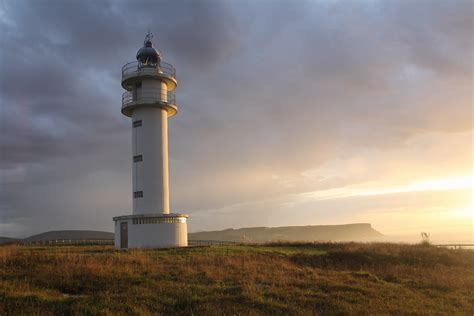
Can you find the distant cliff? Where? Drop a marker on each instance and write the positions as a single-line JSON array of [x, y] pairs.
[[356, 232]]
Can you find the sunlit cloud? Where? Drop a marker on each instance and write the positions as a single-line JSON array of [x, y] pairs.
[[446, 184]]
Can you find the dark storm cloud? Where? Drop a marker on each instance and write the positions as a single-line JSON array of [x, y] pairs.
[[60, 95], [264, 88], [63, 59]]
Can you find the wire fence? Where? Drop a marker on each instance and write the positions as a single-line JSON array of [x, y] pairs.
[[213, 243], [191, 242], [456, 246], [70, 242]]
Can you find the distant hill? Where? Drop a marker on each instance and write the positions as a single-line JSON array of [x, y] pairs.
[[61, 234], [356, 232], [70, 234], [8, 240]]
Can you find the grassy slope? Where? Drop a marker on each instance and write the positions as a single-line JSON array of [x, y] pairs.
[[279, 279]]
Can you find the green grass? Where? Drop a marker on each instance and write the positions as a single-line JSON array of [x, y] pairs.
[[282, 278]]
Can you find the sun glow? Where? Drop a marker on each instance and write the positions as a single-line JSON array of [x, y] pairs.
[[457, 183], [463, 213], [442, 206]]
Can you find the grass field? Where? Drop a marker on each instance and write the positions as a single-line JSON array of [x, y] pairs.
[[273, 279]]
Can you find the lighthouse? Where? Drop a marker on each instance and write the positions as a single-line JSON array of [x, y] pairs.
[[149, 102]]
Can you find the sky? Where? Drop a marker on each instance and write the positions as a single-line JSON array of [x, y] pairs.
[[290, 113]]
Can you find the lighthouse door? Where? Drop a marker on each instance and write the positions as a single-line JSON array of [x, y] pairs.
[[124, 235]]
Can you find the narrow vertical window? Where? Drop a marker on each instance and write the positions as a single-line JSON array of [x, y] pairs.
[[137, 123], [137, 194]]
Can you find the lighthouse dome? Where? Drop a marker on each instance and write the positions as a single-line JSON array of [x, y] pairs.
[[148, 55]]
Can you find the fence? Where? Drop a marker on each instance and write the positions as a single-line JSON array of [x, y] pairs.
[[213, 243], [456, 246], [70, 242], [191, 242], [111, 242]]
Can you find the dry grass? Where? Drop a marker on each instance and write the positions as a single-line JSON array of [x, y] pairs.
[[273, 279]]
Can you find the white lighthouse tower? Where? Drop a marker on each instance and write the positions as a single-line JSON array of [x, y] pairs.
[[149, 102]]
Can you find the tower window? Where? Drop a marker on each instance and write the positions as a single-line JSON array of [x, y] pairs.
[[137, 123], [137, 158], [137, 194]]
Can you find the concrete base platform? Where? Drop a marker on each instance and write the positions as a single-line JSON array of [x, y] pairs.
[[151, 231]]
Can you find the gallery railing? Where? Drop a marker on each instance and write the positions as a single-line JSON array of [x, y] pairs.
[[147, 96], [135, 67]]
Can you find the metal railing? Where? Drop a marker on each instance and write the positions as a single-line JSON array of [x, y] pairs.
[[456, 246], [130, 97], [191, 242], [135, 67], [70, 242], [195, 242]]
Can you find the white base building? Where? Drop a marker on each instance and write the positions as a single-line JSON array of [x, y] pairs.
[[149, 103], [151, 231]]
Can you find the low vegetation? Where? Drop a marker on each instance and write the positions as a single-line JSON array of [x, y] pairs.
[[281, 278]]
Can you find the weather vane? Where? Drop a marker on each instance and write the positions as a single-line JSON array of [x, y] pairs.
[[148, 36]]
